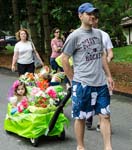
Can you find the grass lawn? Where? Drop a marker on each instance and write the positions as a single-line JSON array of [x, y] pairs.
[[123, 54]]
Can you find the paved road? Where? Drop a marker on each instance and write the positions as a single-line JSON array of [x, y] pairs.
[[121, 108]]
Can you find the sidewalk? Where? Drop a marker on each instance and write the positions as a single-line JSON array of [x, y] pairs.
[[7, 71], [122, 93]]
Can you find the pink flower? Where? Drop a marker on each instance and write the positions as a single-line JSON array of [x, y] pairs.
[[20, 108], [24, 102], [22, 105], [51, 92], [35, 90], [16, 84]]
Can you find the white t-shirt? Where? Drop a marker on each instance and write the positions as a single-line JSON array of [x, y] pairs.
[[25, 51], [106, 40]]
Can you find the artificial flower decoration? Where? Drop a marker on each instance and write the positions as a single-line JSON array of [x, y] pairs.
[[28, 79], [43, 84], [16, 84], [51, 92], [30, 76], [36, 91], [40, 93], [44, 70], [39, 98], [22, 105], [13, 100], [41, 102]]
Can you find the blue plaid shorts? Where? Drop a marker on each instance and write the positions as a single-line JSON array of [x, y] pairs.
[[88, 100]]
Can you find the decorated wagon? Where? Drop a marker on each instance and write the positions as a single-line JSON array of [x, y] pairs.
[[41, 114]]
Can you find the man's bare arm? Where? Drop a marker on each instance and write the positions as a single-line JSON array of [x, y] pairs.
[[66, 66], [110, 55], [107, 72]]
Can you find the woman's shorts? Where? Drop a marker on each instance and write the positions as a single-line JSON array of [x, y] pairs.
[[23, 68], [88, 100]]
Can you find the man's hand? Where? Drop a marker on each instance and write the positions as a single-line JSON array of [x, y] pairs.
[[111, 83]]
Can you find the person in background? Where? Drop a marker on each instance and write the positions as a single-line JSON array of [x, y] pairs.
[[23, 53], [108, 46], [56, 45], [90, 94], [66, 34]]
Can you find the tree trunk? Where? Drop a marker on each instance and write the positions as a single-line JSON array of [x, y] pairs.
[[42, 35], [31, 10], [16, 19], [46, 26]]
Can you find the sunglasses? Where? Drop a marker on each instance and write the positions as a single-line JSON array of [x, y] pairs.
[[57, 32]]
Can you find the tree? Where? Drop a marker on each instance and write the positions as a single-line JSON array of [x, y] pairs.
[[6, 16], [16, 19], [32, 15], [35, 15], [46, 25]]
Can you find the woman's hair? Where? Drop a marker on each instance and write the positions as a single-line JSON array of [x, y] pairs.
[[54, 30], [18, 83], [18, 34]]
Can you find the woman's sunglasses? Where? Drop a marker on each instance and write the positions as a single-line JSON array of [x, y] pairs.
[[57, 32]]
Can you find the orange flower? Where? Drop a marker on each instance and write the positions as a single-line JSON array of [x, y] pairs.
[[30, 76], [43, 85], [43, 105]]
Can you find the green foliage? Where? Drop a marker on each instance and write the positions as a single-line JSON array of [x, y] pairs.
[[128, 13], [57, 12], [63, 14], [5, 15], [9, 49], [123, 54]]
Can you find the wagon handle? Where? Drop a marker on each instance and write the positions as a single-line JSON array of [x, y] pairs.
[[57, 112]]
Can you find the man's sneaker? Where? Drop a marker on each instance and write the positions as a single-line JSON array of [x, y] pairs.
[[89, 122], [98, 128]]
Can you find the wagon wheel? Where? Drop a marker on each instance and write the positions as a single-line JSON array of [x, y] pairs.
[[34, 141], [62, 135]]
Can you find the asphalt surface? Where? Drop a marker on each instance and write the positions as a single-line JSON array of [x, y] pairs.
[[121, 118]]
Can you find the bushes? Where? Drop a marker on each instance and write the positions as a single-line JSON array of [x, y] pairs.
[[9, 49]]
